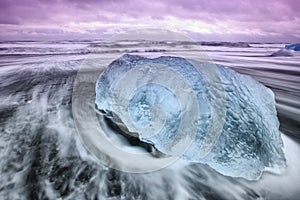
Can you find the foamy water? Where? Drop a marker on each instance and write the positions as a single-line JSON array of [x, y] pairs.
[[43, 157]]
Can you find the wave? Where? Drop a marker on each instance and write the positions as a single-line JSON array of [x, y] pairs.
[[144, 43], [42, 156], [282, 53], [77, 52]]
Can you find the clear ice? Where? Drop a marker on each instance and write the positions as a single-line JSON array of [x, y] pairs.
[[157, 97]]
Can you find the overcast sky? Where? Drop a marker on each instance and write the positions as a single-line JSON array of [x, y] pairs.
[[231, 20]]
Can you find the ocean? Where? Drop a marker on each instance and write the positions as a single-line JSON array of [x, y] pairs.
[[42, 156]]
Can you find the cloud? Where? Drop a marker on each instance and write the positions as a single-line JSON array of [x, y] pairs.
[[211, 17]]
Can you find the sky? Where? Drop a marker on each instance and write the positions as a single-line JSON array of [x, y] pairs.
[[205, 20]]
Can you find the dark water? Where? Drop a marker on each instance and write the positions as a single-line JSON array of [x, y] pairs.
[[43, 158]]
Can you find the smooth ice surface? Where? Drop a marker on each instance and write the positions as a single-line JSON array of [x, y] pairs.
[[295, 47], [249, 142]]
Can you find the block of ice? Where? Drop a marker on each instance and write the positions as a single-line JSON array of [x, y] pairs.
[[295, 47], [226, 120]]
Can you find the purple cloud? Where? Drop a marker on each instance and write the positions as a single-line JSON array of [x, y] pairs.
[[237, 17]]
